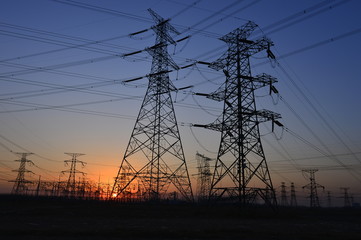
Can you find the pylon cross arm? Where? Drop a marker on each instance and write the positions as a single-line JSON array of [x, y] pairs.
[[220, 63], [257, 46], [216, 125], [263, 80], [240, 33], [267, 115], [219, 95]]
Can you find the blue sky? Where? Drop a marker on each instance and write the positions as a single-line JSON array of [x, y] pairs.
[[319, 84]]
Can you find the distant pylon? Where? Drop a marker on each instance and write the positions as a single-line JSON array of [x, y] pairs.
[[293, 196], [70, 188], [329, 199], [37, 191], [204, 176], [284, 201], [154, 164], [21, 183], [312, 186], [346, 198], [241, 173]]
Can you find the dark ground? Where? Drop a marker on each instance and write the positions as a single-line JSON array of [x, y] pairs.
[[42, 218]]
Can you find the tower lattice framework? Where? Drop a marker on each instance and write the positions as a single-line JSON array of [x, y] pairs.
[[204, 176], [21, 183], [329, 199], [241, 173], [313, 186], [71, 185], [346, 197], [284, 201], [293, 195], [154, 166]]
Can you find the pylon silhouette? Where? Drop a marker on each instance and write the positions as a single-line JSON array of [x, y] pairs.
[[312, 186], [241, 172], [71, 186], [154, 165], [21, 183]]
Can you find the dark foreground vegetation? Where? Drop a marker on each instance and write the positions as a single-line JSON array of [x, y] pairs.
[[45, 218]]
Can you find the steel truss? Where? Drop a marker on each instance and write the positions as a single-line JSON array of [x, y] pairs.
[[21, 184], [241, 173], [154, 166]]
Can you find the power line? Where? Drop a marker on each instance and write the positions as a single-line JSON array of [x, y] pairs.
[[56, 88], [62, 65], [71, 64], [95, 59], [119, 13], [211, 16], [59, 72], [104, 10], [284, 20], [101, 59], [327, 154], [13, 143], [192, 5], [88, 87], [318, 114], [309, 16], [314, 45], [37, 107], [58, 43], [316, 157]]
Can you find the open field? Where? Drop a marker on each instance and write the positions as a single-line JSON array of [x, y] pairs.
[[42, 218]]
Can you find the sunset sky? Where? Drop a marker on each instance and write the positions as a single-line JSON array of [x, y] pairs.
[[62, 65]]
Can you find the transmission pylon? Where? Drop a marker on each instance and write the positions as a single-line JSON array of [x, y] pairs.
[[329, 199], [71, 186], [284, 201], [204, 176], [21, 183], [241, 173], [346, 198], [154, 163], [293, 196], [312, 186], [37, 191]]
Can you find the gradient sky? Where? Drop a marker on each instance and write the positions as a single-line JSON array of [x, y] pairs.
[[45, 52]]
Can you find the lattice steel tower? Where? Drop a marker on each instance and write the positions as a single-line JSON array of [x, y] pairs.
[[346, 198], [293, 196], [20, 184], [70, 188], [329, 199], [154, 164], [204, 176], [241, 172], [284, 201], [312, 186]]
